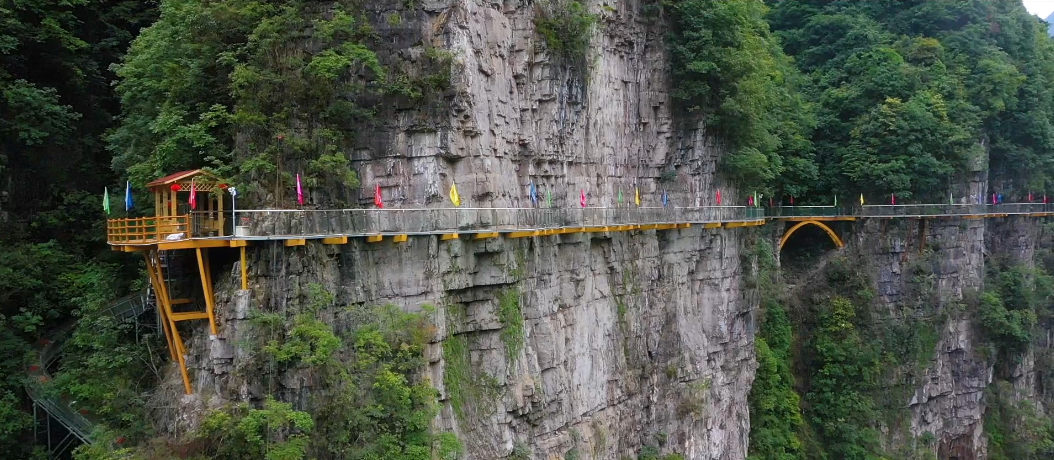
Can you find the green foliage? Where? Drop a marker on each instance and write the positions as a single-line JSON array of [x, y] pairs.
[[273, 432], [728, 67], [470, 392], [909, 95], [566, 26], [512, 333], [1016, 429], [310, 342], [1007, 308], [839, 405], [250, 88], [775, 417]]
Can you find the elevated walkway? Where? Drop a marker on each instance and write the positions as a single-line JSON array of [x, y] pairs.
[[77, 421], [336, 225]]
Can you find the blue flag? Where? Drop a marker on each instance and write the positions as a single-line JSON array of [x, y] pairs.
[[534, 194], [665, 198], [128, 196]]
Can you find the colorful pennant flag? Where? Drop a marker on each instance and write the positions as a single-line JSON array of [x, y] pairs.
[[637, 198], [377, 200], [106, 200], [582, 200], [620, 195], [128, 196], [792, 200], [549, 197], [193, 195], [861, 199], [454, 197], [836, 201], [299, 192], [665, 198], [719, 197], [534, 194], [892, 199]]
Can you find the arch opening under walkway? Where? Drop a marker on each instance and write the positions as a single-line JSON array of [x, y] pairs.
[[831, 233]]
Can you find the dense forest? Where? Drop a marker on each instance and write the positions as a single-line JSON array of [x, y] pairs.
[[818, 100]]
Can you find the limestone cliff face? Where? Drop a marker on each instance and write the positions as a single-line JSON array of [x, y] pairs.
[[632, 339], [948, 399]]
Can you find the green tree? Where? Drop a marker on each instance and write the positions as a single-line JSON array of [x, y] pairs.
[[729, 70]]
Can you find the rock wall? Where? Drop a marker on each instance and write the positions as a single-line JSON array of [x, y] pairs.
[[632, 339], [949, 400]]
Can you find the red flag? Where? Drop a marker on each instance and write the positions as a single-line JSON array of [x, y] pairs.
[[299, 192], [993, 198], [377, 197], [583, 199], [193, 195], [750, 201], [892, 199], [1030, 196], [771, 203], [718, 196], [792, 200], [1044, 199]]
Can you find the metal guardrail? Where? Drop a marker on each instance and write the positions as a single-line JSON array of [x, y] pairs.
[[291, 223], [146, 229], [61, 408], [909, 210]]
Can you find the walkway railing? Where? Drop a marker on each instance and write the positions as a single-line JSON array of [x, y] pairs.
[[286, 223], [61, 408], [911, 210], [146, 229], [297, 223]]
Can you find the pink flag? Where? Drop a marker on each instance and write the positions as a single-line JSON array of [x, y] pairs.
[[299, 191], [193, 195], [1030, 197], [377, 200], [792, 200], [583, 199], [718, 196], [993, 198], [892, 199]]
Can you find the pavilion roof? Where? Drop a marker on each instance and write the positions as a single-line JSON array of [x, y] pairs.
[[179, 177]]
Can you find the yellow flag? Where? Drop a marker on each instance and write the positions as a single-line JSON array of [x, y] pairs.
[[454, 197], [637, 199], [861, 199]]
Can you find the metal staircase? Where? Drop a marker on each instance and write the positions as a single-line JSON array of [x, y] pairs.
[[77, 423]]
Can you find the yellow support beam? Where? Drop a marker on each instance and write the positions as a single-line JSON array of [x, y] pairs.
[[400, 238], [481, 236], [335, 240], [712, 225], [685, 225], [597, 229], [374, 238], [665, 226], [206, 288], [239, 243], [245, 269], [522, 234], [187, 316], [193, 244], [448, 236], [648, 227], [295, 242], [752, 223]]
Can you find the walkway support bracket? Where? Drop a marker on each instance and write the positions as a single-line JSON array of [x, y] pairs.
[[834, 236]]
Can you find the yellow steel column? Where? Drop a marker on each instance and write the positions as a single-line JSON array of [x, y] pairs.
[[206, 288], [160, 308], [245, 273], [176, 339]]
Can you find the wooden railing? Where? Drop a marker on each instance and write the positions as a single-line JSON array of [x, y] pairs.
[[147, 229]]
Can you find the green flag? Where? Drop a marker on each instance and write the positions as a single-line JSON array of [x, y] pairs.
[[549, 197], [620, 196], [836, 200], [106, 200]]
